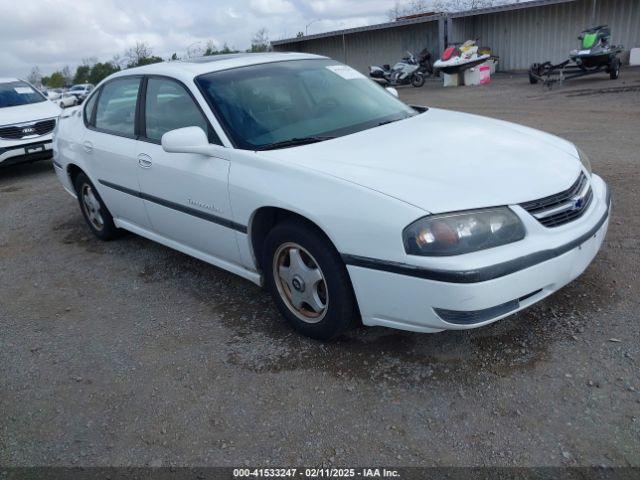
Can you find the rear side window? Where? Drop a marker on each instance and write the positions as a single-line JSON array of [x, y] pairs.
[[88, 109], [168, 106], [116, 108]]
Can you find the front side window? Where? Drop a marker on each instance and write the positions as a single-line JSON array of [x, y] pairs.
[[14, 94], [169, 106], [264, 105], [116, 108]]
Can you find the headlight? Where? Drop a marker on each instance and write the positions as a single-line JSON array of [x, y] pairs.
[[585, 160], [462, 232]]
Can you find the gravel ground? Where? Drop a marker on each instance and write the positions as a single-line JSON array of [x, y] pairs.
[[128, 353]]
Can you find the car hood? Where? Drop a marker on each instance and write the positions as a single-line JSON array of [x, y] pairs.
[[444, 161], [28, 113]]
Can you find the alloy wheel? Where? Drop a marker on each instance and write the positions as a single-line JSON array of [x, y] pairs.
[[300, 282], [91, 207]]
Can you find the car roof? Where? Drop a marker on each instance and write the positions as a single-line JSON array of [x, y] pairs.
[[8, 80], [190, 68]]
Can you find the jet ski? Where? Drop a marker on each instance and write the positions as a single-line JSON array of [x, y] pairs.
[[595, 50], [595, 55], [457, 58]]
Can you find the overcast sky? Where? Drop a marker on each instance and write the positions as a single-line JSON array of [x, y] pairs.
[[55, 33]]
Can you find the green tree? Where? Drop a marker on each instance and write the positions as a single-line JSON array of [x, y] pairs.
[[101, 71], [140, 54], [149, 60], [56, 80], [260, 41], [82, 74], [211, 49], [35, 78]]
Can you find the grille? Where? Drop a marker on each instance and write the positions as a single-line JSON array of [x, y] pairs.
[[563, 207], [15, 132]]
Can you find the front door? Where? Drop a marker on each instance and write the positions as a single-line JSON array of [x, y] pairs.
[[186, 195]]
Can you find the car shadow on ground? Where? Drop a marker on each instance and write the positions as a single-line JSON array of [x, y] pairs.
[[23, 171], [259, 340]]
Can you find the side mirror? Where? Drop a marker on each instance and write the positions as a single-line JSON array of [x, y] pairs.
[[392, 91], [190, 140]]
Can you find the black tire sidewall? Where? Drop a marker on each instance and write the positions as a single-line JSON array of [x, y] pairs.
[[109, 230], [342, 308]]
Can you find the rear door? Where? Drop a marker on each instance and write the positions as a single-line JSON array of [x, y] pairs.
[[186, 195], [110, 148]]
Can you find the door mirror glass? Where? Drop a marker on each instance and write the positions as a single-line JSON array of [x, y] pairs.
[[392, 91], [189, 140]]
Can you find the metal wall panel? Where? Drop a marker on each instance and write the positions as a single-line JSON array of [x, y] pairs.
[[519, 37], [522, 37], [374, 47]]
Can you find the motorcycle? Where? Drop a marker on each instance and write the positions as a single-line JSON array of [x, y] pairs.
[[408, 71]]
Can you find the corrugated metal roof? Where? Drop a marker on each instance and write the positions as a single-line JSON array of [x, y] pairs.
[[507, 8], [368, 28], [400, 23]]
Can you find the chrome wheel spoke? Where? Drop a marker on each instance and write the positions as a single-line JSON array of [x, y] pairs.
[[312, 298], [92, 207], [296, 263]]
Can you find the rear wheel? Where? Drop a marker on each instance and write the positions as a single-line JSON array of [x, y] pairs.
[[533, 70], [94, 210], [308, 281], [417, 80]]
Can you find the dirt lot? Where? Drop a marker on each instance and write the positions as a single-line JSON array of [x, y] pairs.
[[128, 353]]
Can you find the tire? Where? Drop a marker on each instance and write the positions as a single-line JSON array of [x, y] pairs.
[[614, 69], [534, 69], [417, 80], [94, 210], [316, 272]]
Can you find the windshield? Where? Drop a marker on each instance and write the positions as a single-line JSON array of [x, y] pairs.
[[267, 104], [77, 87], [13, 94]]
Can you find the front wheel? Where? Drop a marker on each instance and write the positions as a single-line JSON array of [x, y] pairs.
[[614, 68], [308, 281], [417, 80], [94, 210]]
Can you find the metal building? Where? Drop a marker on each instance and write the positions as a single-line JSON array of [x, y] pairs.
[[519, 34], [372, 45]]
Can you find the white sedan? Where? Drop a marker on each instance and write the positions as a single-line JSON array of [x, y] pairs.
[[300, 174], [62, 99]]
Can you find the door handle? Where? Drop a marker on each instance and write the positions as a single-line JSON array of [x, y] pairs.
[[87, 146], [144, 160]]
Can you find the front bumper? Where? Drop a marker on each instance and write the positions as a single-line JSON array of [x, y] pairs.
[[26, 152], [424, 300]]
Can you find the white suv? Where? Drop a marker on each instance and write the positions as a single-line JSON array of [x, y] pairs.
[[81, 91], [27, 120]]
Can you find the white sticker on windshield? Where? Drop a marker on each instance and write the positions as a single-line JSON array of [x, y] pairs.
[[24, 90], [345, 72]]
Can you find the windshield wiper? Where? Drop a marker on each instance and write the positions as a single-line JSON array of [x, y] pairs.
[[386, 122], [293, 142]]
